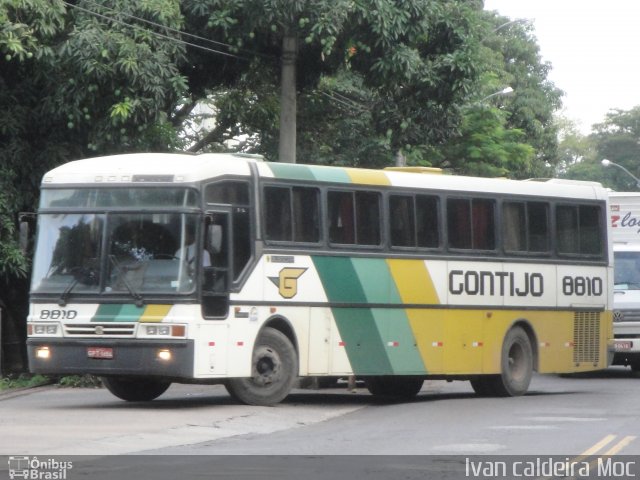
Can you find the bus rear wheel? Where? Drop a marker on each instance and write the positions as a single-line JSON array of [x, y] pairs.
[[394, 387], [516, 368], [274, 369], [135, 389]]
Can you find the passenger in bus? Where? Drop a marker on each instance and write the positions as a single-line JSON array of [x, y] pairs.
[[188, 252]]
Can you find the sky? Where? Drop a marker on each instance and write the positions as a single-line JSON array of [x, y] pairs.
[[593, 47]]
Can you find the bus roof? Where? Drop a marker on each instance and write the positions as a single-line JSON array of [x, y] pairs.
[[185, 168]]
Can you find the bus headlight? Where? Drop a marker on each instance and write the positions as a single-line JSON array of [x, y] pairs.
[[164, 355], [43, 353], [41, 329]]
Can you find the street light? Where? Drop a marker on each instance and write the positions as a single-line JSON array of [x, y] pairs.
[[517, 20], [504, 91], [606, 163]]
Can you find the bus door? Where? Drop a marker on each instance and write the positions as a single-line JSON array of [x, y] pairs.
[[217, 277]]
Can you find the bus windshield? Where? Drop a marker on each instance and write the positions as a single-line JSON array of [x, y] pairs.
[[116, 253]]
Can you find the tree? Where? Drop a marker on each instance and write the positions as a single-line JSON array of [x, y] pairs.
[[72, 84], [485, 148], [616, 139], [509, 55], [405, 55]]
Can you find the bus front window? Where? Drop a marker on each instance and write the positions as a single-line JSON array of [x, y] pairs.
[[68, 253], [130, 254], [145, 253]]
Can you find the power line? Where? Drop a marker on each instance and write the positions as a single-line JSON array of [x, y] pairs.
[[173, 30], [157, 34]]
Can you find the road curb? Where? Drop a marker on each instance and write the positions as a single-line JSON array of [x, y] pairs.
[[18, 392]]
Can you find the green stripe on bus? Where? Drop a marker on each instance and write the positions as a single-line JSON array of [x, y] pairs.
[[291, 171], [340, 280], [117, 313], [377, 340], [393, 324], [362, 341], [376, 280], [399, 341], [331, 174], [310, 172], [357, 326]]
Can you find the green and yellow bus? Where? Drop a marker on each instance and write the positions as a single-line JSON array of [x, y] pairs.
[[219, 268]]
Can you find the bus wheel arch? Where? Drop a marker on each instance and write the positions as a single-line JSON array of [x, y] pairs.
[[274, 367], [283, 326]]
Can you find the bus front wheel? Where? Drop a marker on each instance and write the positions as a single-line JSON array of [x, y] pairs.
[[516, 368], [274, 369], [135, 389], [394, 387]]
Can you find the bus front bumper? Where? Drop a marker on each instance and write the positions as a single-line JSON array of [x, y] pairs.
[[156, 358]]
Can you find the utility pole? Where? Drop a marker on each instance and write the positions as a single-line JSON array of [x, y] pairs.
[[287, 146]]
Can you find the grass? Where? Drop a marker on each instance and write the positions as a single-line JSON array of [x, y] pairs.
[[25, 380]]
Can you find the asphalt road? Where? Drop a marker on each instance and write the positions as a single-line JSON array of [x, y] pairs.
[[570, 417]]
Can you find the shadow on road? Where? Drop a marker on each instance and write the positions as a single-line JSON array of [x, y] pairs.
[[193, 397]]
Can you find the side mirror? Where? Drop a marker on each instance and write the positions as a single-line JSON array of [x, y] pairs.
[[26, 219]]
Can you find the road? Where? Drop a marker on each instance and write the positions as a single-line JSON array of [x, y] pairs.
[[594, 414]]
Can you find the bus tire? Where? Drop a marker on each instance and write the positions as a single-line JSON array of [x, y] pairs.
[[394, 387], [484, 386], [134, 389], [516, 368], [274, 369]]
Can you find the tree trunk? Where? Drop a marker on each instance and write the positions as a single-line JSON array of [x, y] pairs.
[[287, 147]]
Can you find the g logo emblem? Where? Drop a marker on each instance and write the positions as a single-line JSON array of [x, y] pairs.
[[287, 281]]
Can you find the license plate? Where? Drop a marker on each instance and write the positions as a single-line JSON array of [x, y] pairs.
[[100, 352], [621, 346]]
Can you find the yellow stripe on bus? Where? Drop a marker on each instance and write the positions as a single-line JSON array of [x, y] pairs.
[[155, 313], [413, 281], [367, 177]]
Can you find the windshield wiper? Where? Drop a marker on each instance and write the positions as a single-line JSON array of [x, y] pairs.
[[62, 301], [86, 276], [123, 273]]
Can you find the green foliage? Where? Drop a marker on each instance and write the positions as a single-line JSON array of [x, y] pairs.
[[72, 85], [509, 55], [486, 148], [23, 381], [616, 139], [80, 381], [398, 54]]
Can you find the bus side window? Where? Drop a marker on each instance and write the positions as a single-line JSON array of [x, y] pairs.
[[368, 218], [341, 218], [306, 214], [428, 226], [292, 214], [228, 192], [459, 223], [590, 228], [515, 230], [538, 226], [579, 228], [241, 240], [471, 223], [567, 229], [277, 207], [402, 221]]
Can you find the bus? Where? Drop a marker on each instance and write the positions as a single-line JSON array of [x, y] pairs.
[[392, 276]]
